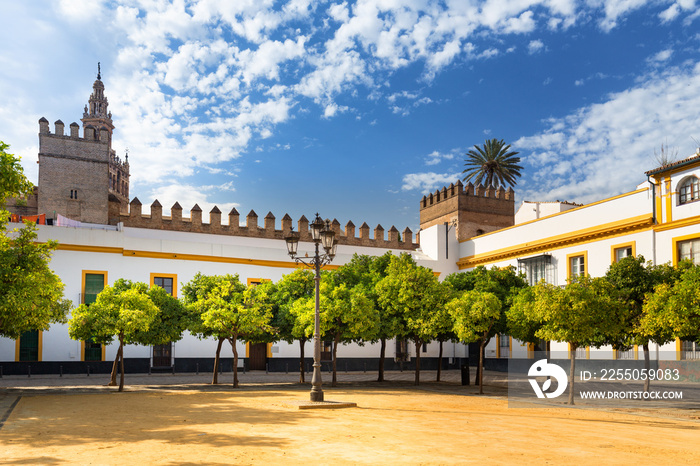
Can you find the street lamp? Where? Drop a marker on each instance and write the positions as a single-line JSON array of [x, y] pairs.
[[321, 234]]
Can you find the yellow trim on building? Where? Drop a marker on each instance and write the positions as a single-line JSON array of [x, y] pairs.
[[510, 349], [583, 236], [190, 257], [165, 275], [615, 247], [573, 255], [559, 213], [683, 222], [679, 349], [674, 245], [669, 200], [659, 204]]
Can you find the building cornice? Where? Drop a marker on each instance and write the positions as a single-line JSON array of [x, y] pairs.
[[185, 257], [586, 235]]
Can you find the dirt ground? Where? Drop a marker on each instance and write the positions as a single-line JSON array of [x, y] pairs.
[[389, 426]]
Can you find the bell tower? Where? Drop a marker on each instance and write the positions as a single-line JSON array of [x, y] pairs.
[[95, 114]]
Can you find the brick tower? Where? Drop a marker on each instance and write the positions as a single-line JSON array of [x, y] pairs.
[[474, 210], [82, 178]]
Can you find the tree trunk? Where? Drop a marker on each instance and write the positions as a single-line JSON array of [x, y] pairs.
[[235, 361], [215, 378], [417, 381], [121, 362], [336, 340], [113, 376], [382, 354], [302, 342], [647, 366], [437, 379], [571, 374], [482, 349]]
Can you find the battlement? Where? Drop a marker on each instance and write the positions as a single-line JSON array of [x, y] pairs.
[[477, 192], [474, 209], [90, 133], [176, 222]]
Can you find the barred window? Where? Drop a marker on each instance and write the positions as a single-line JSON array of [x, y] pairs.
[[537, 268]]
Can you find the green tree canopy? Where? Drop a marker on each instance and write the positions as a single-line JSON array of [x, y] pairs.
[[412, 292], [364, 272], [293, 287], [121, 311], [634, 280], [32, 295], [475, 313], [586, 312], [230, 311], [172, 319], [492, 164], [673, 309]]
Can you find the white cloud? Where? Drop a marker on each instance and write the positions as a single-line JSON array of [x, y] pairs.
[[616, 9], [661, 57], [670, 13], [187, 196], [426, 182], [436, 157], [535, 46], [603, 149]]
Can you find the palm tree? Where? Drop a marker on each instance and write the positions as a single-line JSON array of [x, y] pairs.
[[493, 164]]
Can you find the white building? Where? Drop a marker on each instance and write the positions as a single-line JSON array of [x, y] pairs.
[[462, 227]]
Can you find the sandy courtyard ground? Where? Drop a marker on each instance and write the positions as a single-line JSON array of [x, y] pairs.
[[389, 426]]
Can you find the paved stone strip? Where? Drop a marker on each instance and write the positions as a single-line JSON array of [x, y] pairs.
[[9, 410]]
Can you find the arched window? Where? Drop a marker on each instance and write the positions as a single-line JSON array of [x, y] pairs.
[[689, 190]]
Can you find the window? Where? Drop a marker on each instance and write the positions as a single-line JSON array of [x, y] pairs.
[[620, 251], [92, 351], [402, 350], [626, 354], [690, 350], [74, 194], [167, 281], [257, 281], [576, 264], [326, 351], [162, 354], [537, 269], [581, 353], [93, 283], [28, 346], [503, 346], [689, 190], [689, 250]]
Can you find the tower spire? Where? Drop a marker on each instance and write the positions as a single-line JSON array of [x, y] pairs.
[[96, 113]]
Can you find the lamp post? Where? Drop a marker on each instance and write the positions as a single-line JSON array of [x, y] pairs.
[[321, 234]]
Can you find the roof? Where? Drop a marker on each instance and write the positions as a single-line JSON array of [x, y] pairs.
[[669, 166]]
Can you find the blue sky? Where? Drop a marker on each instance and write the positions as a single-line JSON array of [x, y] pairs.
[[357, 109]]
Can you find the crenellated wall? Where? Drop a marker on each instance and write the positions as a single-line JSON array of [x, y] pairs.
[[176, 222], [474, 210]]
